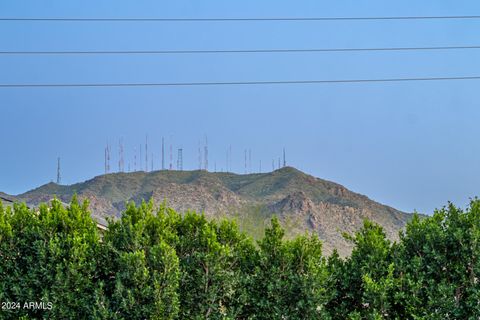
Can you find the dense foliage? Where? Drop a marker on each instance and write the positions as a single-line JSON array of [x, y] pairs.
[[158, 264]]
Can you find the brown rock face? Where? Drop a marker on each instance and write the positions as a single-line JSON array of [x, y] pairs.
[[302, 202], [295, 202]]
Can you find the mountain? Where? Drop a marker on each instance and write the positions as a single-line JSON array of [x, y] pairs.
[[301, 201], [7, 199]]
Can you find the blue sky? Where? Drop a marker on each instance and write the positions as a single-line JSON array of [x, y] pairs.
[[408, 145]]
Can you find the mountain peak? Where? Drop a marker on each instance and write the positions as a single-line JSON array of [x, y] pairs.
[[303, 202]]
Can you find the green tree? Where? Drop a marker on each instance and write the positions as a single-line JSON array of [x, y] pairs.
[[141, 269], [158, 264], [212, 257], [290, 277], [363, 283], [438, 262], [48, 255]]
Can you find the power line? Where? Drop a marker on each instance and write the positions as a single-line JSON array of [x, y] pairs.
[[237, 51], [462, 17], [179, 84]]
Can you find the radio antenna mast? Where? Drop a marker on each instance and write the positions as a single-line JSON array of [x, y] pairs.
[[105, 160], [59, 178], [146, 153], [140, 160], [135, 159], [206, 154], [171, 157], [199, 156], [163, 154], [180, 159]]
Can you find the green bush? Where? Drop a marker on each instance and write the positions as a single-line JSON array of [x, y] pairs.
[[154, 263]]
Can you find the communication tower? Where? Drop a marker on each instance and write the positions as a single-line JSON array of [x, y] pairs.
[[180, 159], [59, 177]]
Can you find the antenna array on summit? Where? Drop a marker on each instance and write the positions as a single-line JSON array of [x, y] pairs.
[[145, 162]]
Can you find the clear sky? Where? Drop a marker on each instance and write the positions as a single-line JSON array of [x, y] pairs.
[[409, 145]]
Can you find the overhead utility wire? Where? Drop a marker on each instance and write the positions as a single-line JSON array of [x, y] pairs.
[[236, 51], [245, 19], [178, 84]]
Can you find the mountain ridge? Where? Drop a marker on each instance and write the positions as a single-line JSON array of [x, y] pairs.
[[302, 202]]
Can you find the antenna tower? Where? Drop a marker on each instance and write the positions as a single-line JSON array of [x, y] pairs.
[[199, 156], [105, 160], [140, 159], [171, 157], [284, 161], [206, 154], [119, 157], [121, 161], [180, 159], [59, 177], [163, 154], [146, 153], [135, 159]]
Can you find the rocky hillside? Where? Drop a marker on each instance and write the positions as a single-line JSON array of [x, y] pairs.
[[302, 202], [7, 199]]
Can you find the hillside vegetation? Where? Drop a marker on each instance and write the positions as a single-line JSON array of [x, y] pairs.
[[153, 263], [302, 202]]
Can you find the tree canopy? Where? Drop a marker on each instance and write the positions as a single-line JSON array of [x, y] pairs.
[[154, 263]]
